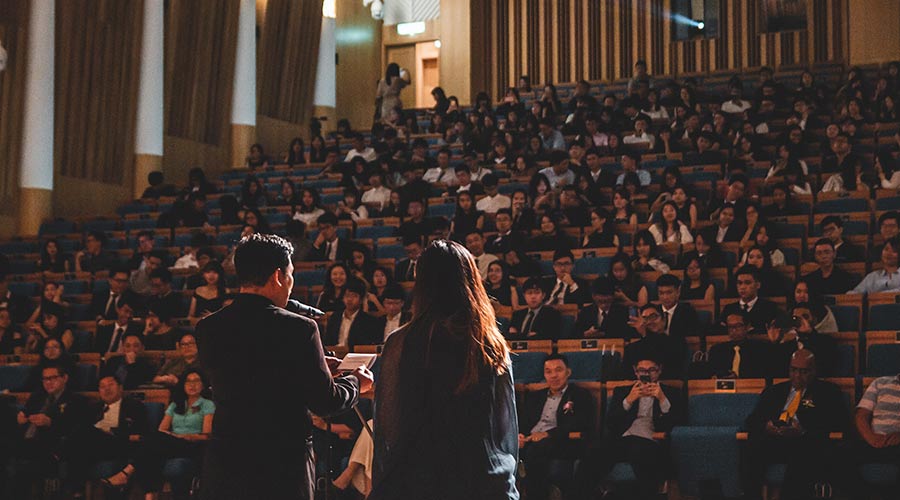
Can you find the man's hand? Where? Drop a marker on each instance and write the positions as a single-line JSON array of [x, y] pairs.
[[332, 363], [567, 279], [40, 420], [654, 390], [366, 379], [130, 357], [538, 436], [637, 392], [522, 440], [22, 419], [591, 332]]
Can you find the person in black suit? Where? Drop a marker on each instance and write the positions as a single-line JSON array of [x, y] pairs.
[[790, 424], [734, 198], [105, 433], [394, 315], [328, 246], [537, 321], [546, 421], [740, 357], [564, 287], [162, 296], [597, 177], [604, 318], [406, 268], [633, 414], [679, 319], [833, 228], [802, 335], [654, 344], [465, 183], [828, 279], [132, 368], [271, 459], [350, 325], [109, 338], [103, 304], [506, 238], [761, 311]]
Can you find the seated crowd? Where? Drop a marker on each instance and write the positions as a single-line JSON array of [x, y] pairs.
[[655, 220]]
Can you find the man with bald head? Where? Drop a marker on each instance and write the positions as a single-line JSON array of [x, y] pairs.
[[790, 425]]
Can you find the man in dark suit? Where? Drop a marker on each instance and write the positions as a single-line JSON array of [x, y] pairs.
[[537, 321], [103, 304], [132, 368], [351, 325], [328, 246], [653, 343], [828, 279], [416, 226], [546, 421], [760, 311], [833, 229], [464, 183], [274, 459], [162, 296], [597, 176], [105, 433], [790, 424], [564, 287], [633, 414], [740, 357], [109, 338], [406, 268], [680, 319], [506, 239], [49, 417], [734, 197], [802, 335], [604, 318], [394, 315]]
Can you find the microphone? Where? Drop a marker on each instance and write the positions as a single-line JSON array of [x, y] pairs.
[[297, 307]]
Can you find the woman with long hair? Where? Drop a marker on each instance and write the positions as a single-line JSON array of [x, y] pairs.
[[296, 154], [209, 297], [446, 404], [500, 287], [318, 151], [668, 228], [697, 284], [388, 91], [52, 257], [629, 290], [332, 296]]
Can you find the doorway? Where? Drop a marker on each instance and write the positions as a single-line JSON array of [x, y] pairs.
[[422, 60]]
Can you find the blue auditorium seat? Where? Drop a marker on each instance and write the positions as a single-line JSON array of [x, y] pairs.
[[842, 205], [847, 317], [311, 277], [883, 360], [375, 232], [586, 366], [25, 288], [58, 226], [884, 317], [14, 378], [390, 251], [593, 265], [528, 367]]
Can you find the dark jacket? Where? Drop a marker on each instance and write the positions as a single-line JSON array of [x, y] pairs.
[[763, 312], [618, 420], [546, 324], [825, 411], [684, 322], [402, 271], [575, 414], [104, 335], [668, 350], [98, 305], [580, 296], [344, 251], [130, 376], [615, 322], [754, 358], [363, 331], [66, 413], [132, 417]]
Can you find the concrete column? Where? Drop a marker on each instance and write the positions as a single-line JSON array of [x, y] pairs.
[[36, 174], [148, 148], [243, 102]]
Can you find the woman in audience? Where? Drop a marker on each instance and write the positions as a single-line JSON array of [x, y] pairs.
[[887, 110], [665, 143], [296, 154], [848, 180], [393, 208], [52, 353], [253, 193], [803, 293], [11, 341], [783, 203], [53, 260], [351, 207], [551, 102], [257, 158], [624, 211], [288, 194], [646, 254], [785, 162], [707, 251], [549, 238], [318, 152], [652, 107], [382, 279], [601, 233], [52, 325], [689, 99], [697, 285], [629, 290], [210, 297], [885, 168], [52, 292], [522, 167], [197, 183], [499, 286], [332, 296], [523, 216], [809, 89], [765, 238], [441, 103], [230, 210], [671, 179], [520, 264], [540, 193], [361, 264], [796, 182], [309, 209], [771, 282], [254, 218], [388, 90], [687, 209], [184, 429], [467, 217], [614, 146], [752, 224], [534, 150], [669, 228]]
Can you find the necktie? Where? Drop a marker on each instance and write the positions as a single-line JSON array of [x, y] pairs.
[[117, 337], [559, 293], [736, 361], [788, 414], [666, 317], [411, 271], [110, 305], [600, 317], [526, 326], [328, 250], [745, 307], [48, 403]]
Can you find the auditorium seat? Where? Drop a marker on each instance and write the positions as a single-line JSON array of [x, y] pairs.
[[528, 367]]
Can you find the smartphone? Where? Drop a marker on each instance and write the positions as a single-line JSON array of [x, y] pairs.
[[796, 322], [645, 379]]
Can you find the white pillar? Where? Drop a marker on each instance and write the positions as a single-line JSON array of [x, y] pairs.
[[243, 102], [326, 69], [36, 165], [148, 147]]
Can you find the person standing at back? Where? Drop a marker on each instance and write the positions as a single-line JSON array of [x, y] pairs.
[[267, 371]]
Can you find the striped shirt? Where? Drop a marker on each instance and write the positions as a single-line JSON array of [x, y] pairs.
[[882, 398]]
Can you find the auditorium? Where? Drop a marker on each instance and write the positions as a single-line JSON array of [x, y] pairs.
[[684, 216]]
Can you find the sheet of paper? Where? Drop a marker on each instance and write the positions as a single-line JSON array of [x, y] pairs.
[[354, 360]]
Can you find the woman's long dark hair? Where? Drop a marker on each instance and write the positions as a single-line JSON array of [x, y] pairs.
[[392, 71], [449, 296], [179, 396], [295, 158]]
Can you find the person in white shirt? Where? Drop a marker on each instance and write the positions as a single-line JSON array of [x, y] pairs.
[[393, 311], [735, 105], [439, 172], [475, 245], [378, 196], [360, 149], [492, 200], [631, 163], [640, 136], [558, 173]]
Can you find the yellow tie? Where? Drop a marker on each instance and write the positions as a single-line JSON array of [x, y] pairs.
[[736, 361], [788, 414]]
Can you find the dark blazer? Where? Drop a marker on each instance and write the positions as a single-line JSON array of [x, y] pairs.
[[363, 331], [754, 358], [761, 315], [848, 252], [615, 322], [98, 305], [104, 335], [734, 232], [344, 251], [132, 416], [501, 244], [578, 418], [171, 302], [65, 414], [826, 411], [580, 296], [526, 221], [130, 376], [684, 322], [668, 350], [838, 283], [282, 375], [546, 325], [618, 420], [402, 269]]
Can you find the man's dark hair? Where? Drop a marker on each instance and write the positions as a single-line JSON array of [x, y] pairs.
[[562, 253], [327, 218], [99, 236], [748, 269], [558, 156], [163, 274], [475, 230], [505, 211], [668, 280], [411, 240], [394, 292], [356, 286], [824, 241], [146, 233], [602, 286], [651, 306], [888, 215], [258, 256], [739, 178], [745, 318], [834, 219], [634, 155], [531, 284], [555, 356], [489, 180], [461, 168], [155, 178], [59, 367], [161, 311], [119, 268]]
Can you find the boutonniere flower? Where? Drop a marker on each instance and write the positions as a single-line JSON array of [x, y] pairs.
[[807, 403], [62, 408], [569, 407]]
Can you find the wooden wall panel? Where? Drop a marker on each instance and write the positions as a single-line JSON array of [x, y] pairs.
[[14, 35], [602, 39]]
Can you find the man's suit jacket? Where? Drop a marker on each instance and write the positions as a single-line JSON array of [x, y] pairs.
[[615, 322], [822, 409], [132, 416], [575, 414], [754, 358], [580, 296], [130, 376], [98, 305], [402, 271], [668, 350], [734, 232], [546, 324], [606, 179], [363, 331], [684, 321], [502, 244], [849, 252], [282, 374], [66, 413], [344, 251], [618, 420], [104, 335], [763, 312], [171, 302]]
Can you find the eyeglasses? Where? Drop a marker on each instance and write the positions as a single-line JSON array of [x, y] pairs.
[[732, 328], [51, 378], [563, 264], [651, 316], [647, 371], [186, 344]]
